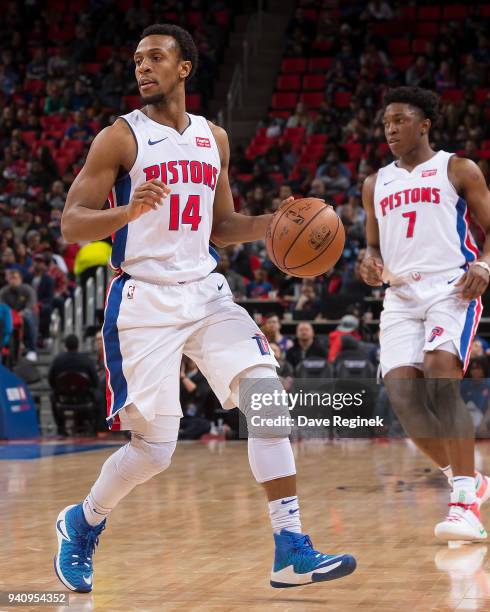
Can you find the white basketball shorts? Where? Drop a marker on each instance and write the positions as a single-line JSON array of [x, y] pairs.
[[423, 314], [148, 327]]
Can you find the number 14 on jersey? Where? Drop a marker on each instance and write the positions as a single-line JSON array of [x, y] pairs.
[[190, 214]]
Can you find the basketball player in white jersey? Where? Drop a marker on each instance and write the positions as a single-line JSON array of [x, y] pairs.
[[419, 242], [167, 175]]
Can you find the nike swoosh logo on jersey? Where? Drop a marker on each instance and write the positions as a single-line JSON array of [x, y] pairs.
[[58, 527], [393, 180], [154, 142], [220, 286], [452, 280]]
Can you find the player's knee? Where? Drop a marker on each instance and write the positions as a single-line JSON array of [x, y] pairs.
[[263, 401], [153, 457]]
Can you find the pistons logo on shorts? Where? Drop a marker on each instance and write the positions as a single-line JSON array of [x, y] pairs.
[[131, 289], [262, 343], [435, 333]]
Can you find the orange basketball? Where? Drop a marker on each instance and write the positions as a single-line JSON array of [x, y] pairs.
[[305, 238]]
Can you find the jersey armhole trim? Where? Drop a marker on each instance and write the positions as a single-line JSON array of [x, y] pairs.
[[128, 172], [451, 155], [215, 142]]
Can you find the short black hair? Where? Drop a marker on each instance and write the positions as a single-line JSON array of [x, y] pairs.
[[187, 46], [426, 101], [71, 342]]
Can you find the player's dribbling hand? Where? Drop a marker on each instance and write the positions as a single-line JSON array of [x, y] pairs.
[[371, 270], [146, 197], [473, 283]]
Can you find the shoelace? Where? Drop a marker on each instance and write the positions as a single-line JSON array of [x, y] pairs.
[[457, 510], [305, 546], [90, 541]]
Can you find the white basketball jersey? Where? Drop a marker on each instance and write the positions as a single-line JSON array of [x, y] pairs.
[[423, 222], [170, 244]]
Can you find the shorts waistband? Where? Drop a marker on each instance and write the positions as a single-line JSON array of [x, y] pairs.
[[415, 276], [164, 283]]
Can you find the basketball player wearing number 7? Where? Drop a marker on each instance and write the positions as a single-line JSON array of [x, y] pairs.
[[419, 241], [167, 173]]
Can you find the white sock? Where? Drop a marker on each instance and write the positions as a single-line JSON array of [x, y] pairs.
[[448, 473], [463, 490], [94, 513], [284, 514]]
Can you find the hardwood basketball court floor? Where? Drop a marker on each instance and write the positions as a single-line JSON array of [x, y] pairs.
[[197, 537]]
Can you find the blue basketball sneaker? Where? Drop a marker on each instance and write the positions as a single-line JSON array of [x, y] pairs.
[[76, 544], [296, 562]]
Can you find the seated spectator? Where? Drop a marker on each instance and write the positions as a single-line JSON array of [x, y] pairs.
[[78, 98], [305, 345], [70, 361], [43, 284], [194, 393], [300, 118], [259, 287], [308, 305], [285, 370], [271, 328], [235, 280], [419, 74], [348, 326], [334, 181], [22, 298], [79, 129], [56, 196], [379, 10]]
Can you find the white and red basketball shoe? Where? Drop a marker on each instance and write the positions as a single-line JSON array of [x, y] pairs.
[[462, 523]]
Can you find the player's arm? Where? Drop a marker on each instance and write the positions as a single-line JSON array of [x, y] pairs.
[[230, 227], [371, 268], [83, 219], [469, 182]]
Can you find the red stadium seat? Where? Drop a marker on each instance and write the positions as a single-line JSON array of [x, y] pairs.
[[338, 198], [428, 29], [277, 177], [313, 99], [485, 10], [315, 138], [194, 18], [92, 68], [103, 53], [454, 11], [322, 46], [452, 95], [312, 152], [289, 82], [419, 45], [429, 13], [409, 13], [352, 167], [314, 82], [294, 133], [34, 86], [316, 64], [73, 145], [354, 150], [486, 145], [402, 62], [132, 102], [282, 101], [310, 13], [29, 137], [398, 46], [342, 99], [279, 113], [294, 65], [222, 18], [193, 102], [481, 95], [244, 178]]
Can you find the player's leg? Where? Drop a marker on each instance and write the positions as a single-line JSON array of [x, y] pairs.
[[450, 325], [78, 527], [402, 338], [235, 358]]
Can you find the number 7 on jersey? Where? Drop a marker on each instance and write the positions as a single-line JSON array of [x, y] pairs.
[[411, 216]]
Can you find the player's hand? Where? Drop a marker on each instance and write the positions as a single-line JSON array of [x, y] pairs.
[[473, 283], [148, 196], [371, 270]]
